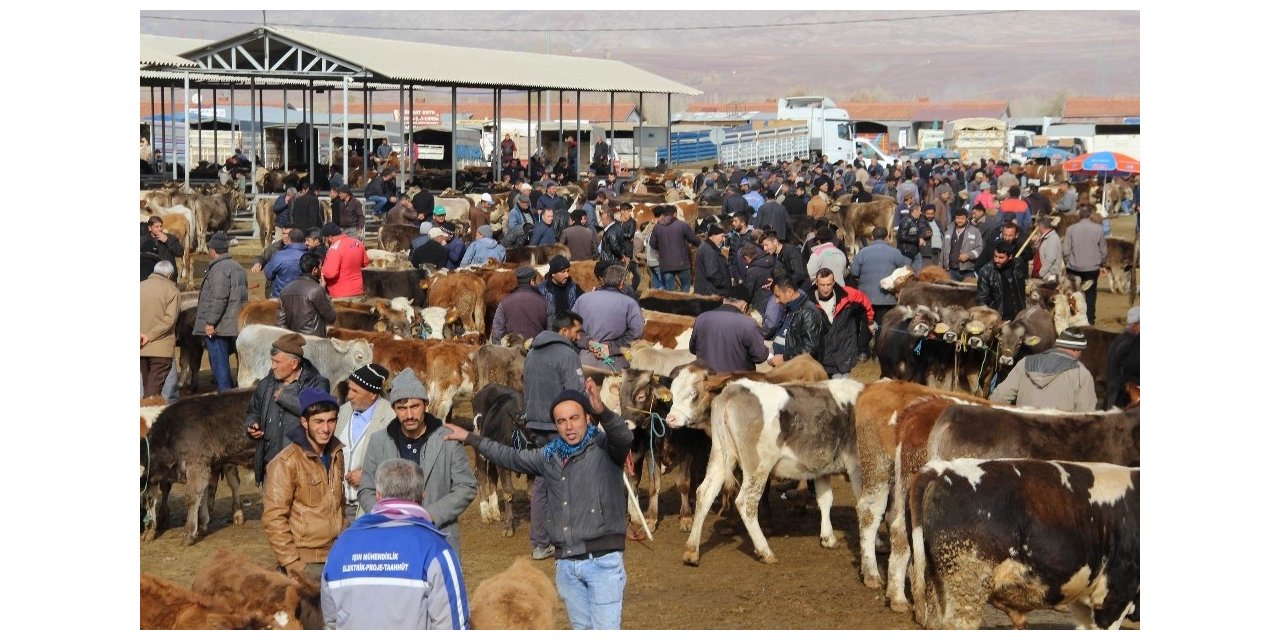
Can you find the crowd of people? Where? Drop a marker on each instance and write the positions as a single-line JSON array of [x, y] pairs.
[[349, 484]]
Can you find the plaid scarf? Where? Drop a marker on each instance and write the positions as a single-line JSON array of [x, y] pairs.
[[559, 447]]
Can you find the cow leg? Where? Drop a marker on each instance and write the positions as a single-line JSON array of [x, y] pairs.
[[871, 505], [508, 497], [707, 491], [1016, 617], [684, 481], [210, 494], [488, 491], [196, 487], [966, 580], [155, 497], [899, 552], [822, 486], [1083, 615], [232, 473], [748, 503]]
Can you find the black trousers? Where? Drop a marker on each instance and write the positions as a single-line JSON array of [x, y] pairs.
[[1091, 293]]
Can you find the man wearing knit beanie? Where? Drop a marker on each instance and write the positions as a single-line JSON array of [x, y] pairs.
[[589, 520], [1054, 379], [1123, 364], [276, 403], [415, 435], [364, 413], [302, 497]]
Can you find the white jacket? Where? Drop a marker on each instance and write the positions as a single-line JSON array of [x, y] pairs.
[[353, 452]]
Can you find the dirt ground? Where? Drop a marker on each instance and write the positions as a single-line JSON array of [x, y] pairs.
[[809, 588]]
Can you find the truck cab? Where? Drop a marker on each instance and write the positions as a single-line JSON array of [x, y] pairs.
[[831, 132]]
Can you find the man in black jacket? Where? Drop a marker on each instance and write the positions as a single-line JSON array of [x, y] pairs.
[[158, 246], [801, 329], [381, 191], [846, 315], [733, 201], [274, 407], [306, 209], [711, 272], [788, 257], [1002, 282]]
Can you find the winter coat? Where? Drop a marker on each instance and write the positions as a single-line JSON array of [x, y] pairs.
[[306, 308], [153, 252], [543, 235], [728, 340], [991, 293], [908, 236], [774, 215], [790, 258], [970, 244], [451, 485], [352, 449], [159, 316], [223, 291], [613, 243], [548, 289], [342, 268], [587, 504], [1123, 366], [840, 338], [522, 312], [307, 214], [1049, 380], [873, 264], [481, 250], [1050, 253], [581, 241], [669, 238], [274, 416], [711, 277], [350, 214], [611, 318], [302, 504], [1085, 248], [283, 267], [758, 273], [803, 323]]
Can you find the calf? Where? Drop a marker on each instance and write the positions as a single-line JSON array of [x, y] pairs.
[[334, 359], [463, 294], [497, 409], [394, 283], [397, 237], [858, 219], [1024, 535], [535, 256], [1095, 357], [190, 346], [801, 431], [193, 441], [522, 597], [265, 215], [497, 364], [444, 367], [1119, 268], [939, 294], [1031, 331], [166, 606], [244, 585], [677, 302], [659, 360]]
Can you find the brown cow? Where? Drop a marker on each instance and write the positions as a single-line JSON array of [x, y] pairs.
[[858, 219], [535, 256], [500, 365], [166, 606], [463, 294], [444, 367], [245, 585], [265, 215], [397, 237], [877, 415], [1119, 268]]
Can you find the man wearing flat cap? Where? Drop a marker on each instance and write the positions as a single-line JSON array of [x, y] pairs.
[[364, 413], [432, 253], [275, 405], [415, 435], [588, 517], [727, 339], [223, 290], [1054, 379], [302, 498]]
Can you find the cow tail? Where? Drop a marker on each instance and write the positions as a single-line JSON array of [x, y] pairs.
[[728, 454]]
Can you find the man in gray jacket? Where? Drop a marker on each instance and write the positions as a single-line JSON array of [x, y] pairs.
[[550, 367], [1054, 379], [1085, 251], [611, 320], [589, 522], [873, 264], [961, 247], [415, 435], [224, 289]]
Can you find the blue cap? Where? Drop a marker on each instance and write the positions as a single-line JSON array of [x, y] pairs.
[[311, 395]]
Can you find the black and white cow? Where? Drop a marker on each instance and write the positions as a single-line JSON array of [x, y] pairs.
[[1024, 535], [800, 431], [496, 410]]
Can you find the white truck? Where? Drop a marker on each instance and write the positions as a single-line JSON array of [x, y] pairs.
[[831, 132]]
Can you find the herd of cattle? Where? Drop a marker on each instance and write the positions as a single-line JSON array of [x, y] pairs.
[[1020, 508]]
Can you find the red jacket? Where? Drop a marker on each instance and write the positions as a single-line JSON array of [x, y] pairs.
[[854, 296], [342, 265]]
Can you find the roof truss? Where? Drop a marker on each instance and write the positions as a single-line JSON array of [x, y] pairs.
[[263, 52]]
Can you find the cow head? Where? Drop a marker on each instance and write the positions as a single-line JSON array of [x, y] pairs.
[[895, 281], [1013, 336], [980, 331], [952, 320], [686, 402], [355, 353], [921, 320], [642, 394]]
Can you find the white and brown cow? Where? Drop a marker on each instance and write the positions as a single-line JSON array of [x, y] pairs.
[[800, 431], [1024, 535]]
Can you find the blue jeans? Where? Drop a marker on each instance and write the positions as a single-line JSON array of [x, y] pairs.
[[219, 349], [170, 391], [958, 275], [592, 590], [380, 203], [655, 278], [669, 280]]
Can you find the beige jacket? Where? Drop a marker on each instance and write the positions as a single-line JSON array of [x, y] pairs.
[[159, 313], [352, 450]]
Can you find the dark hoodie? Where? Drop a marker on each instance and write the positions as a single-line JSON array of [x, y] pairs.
[[758, 273], [551, 366], [668, 238]]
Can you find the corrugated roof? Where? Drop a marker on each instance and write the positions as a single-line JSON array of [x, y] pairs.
[[1101, 107], [164, 50], [462, 66], [918, 111]]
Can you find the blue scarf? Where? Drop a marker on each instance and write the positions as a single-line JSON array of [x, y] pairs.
[[559, 447]]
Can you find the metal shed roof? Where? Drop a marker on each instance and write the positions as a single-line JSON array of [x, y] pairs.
[[419, 62], [164, 50]]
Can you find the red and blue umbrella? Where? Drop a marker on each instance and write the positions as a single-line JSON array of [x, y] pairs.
[[1104, 163]]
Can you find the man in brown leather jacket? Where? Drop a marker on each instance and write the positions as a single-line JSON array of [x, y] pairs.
[[302, 500], [305, 306]]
